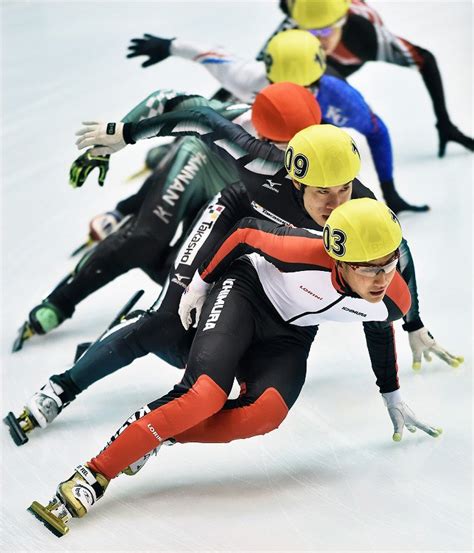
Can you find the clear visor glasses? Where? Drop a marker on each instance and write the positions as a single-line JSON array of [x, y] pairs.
[[365, 269], [326, 31]]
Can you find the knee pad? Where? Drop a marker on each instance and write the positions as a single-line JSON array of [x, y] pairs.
[[264, 415], [229, 424]]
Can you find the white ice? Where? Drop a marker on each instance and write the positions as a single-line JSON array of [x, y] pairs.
[[330, 479]]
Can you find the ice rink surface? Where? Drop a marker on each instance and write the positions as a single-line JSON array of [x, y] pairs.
[[330, 479]]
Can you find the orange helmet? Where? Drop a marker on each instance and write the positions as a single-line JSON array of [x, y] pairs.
[[282, 109]]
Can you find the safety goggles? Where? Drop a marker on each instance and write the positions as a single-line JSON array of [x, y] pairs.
[[326, 31], [365, 269]]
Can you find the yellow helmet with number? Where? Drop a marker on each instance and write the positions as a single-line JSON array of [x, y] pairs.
[[361, 230], [323, 156], [295, 56], [317, 14]]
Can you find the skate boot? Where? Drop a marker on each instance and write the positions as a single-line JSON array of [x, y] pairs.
[[132, 469], [39, 412], [74, 497], [45, 317], [42, 319]]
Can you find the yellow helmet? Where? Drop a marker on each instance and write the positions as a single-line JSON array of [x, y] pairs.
[[317, 14], [323, 156], [361, 230], [295, 56]]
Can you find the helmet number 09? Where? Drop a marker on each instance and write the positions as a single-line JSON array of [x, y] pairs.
[[298, 163], [334, 241]]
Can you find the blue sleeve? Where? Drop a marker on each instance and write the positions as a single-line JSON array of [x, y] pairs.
[[343, 106]]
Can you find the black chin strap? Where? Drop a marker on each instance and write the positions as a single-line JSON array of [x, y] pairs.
[[284, 7], [299, 192]]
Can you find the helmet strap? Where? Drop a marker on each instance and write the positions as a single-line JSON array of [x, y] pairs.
[[346, 289], [300, 195], [284, 7]]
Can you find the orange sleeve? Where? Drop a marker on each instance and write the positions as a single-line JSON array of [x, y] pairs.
[[287, 248]]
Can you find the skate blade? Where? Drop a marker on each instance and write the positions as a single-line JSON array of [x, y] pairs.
[[85, 246], [81, 349], [142, 172], [52, 522], [24, 333], [16, 431]]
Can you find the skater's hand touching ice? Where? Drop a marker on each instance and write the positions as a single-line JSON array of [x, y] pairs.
[[422, 343], [84, 165], [402, 416], [106, 138], [193, 299], [447, 132], [156, 48]]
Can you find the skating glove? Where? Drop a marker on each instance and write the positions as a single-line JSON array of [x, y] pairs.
[[448, 132], [422, 342], [156, 48], [84, 164], [104, 224], [401, 416], [193, 299], [106, 138]]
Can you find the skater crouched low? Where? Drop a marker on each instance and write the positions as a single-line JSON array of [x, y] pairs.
[[263, 327]]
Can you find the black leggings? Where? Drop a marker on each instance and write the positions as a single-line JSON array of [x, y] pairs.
[[143, 242], [239, 335]]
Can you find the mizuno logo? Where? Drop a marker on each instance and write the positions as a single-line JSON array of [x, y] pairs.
[[179, 279], [272, 185]]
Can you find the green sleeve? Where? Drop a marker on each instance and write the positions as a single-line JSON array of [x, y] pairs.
[[164, 101], [153, 104]]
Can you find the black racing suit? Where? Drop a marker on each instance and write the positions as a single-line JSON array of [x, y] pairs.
[[184, 181], [265, 192]]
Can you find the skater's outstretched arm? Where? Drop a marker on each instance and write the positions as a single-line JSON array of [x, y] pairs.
[[371, 40], [230, 140], [158, 102], [243, 78]]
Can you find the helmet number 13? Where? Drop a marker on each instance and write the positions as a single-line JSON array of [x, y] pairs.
[[334, 241]]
